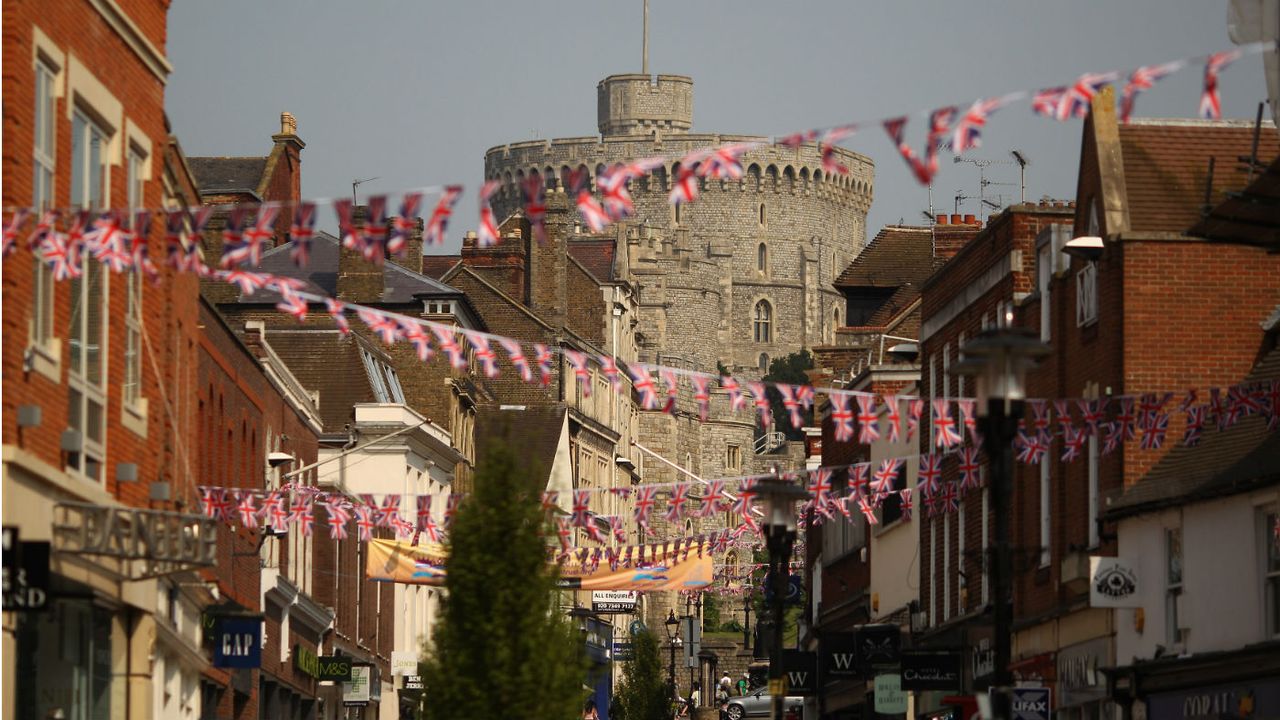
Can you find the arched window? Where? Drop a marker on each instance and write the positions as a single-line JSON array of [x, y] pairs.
[[764, 362], [763, 217], [763, 321], [762, 258]]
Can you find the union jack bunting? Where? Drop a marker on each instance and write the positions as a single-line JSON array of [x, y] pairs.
[[676, 505], [535, 205], [701, 395], [178, 246], [820, 490], [412, 332], [107, 242], [487, 232], [1153, 436], [424, 519], [48, 223], [1149, 406], [1091, 412], [1062, 411], [830, 164], [725, 162], [967, 134], [550, 499], [970, 471], [1188, 400], [382, 325], [868, 418], [737, 401], [248, 511], [618, 530], [137, 233], [1040, 413], [1029, 446], [58, 255], [248, 282], [1075, 101], [609, 368], [581, 508], [684, 188], [515, 353], [918, 167], [792, 405], [542, 356], [617, 197], [1127, 418], [302, 232], [208, 505], [373, 235], [337, 518], [930, 473], [939, 128], [1216, 410], [1144, 78], [1073, 440], [868, 512], [970, 419], [904, 503], [292, 303], [713, 499], [950, 498], [644, 506], [742, 503], [1046, 102], [945, 434], [389, 512], [11, 229], [234, 248], [337, 310], [761, 399], [672, 381], [1114, 436], [565, 532], [892, 426], [1210, 102], [300, 516], [795, 140], [438, 223], [277, 515], [1195, 425], [484, 354], [260, 231], [404, 224], [841, 417], [447, 341], [885, 477], [915, 408], [451, 509], [643, 383]]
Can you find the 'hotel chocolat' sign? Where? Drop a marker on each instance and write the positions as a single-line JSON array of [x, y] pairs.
[[924, 670]]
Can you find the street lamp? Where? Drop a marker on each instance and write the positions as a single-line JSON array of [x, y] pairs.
[[673, 626], [998, 361], [779, 496]]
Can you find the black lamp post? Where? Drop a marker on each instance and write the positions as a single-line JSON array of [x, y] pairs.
[[746, 621], [673, 626], [779, 497], [998, 361]]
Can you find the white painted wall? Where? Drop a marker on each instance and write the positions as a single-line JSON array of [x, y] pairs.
[[1222, 571], [895, 550]]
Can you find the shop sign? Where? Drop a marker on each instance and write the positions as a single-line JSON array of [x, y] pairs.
[[26, 574], [878, 647], [305, 661], [890, 699], [404, 662], [160, 542], [801, 670], [614, 601], [237, 643], [838, 656], [1258, 699], [982, 662], [356, 691], [1030, 703], [1079, 680], [333, 668], [623, 651], [930, 670], [1113, 583], [412, 682]]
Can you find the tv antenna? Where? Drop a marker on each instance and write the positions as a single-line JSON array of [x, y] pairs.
[[983, 182], [357, 183], [1023, 162], [960, 197]]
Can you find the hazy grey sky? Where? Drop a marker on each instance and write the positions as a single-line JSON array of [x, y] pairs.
[[415, 92]]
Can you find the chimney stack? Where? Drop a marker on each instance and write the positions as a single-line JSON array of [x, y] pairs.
[[288, 124], [942, 218]]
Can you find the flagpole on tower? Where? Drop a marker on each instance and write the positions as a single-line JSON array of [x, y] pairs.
[[644, 47]]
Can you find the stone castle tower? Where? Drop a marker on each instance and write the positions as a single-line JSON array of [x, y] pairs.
[[740, 277]]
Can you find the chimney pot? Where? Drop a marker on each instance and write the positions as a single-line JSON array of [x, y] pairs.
[[970, 220], [288, 124], [956, 219], [942, 219]]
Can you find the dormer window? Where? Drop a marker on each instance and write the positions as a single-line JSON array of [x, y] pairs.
[[439, 307]]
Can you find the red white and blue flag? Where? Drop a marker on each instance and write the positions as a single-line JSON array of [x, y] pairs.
[[1073, 440], [415, 335], [672, 381], [447, 341], [676, 504], [581, 508], [1195, 425], [542, 356], [581, 370], [373, 234], [737, 401], [535, 205], [1210, 101], [1047, 101], [904, 503], [868, 418], [895, 128], [792, 405], [892, 418], [859, 482], [915, 408], [381, 325], [107, 242], [967, 134], [885, 477], [484, 354], [11, 229], [644, 506], [841, 416], [300, 515], [337, 518], [487, 233], [1153, 436], [301, 232], [930, 473], [515, 353], [762, 402], [820, 490], [1140, 80], [1091, 411], [1075, 101], [970, 471], [438, 223], [684, 188], [643, 383], [248, 511], [945, 434], [350, 236], [725, 162], [337, 311], [405, 223], [713, 500], [701, 394]]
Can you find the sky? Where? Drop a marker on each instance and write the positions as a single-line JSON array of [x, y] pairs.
[[414, 93]]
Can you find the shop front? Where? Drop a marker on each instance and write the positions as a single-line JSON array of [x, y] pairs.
[[1082, 686], [1231, 685]]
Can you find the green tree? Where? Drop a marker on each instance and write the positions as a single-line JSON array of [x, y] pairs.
[[642, 690], [502, 648], [789, 369]]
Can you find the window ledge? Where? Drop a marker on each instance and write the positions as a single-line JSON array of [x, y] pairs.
[[46, 358], [134, 417]]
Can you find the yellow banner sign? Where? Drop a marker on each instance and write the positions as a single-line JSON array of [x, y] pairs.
[[391, 561]]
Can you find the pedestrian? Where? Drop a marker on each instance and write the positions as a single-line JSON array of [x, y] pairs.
[[589, 712], [722, 697], [744, 684], [724, 679], [695, 697]]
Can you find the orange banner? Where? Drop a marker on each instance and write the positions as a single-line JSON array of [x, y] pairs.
[[391, 561]]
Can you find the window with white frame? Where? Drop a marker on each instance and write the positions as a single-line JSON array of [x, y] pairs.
[[1087, 295], [131, 389], [1044, 513], [1270, 527], [44, 154], [88, 293], [377, 382], [1173, 583]]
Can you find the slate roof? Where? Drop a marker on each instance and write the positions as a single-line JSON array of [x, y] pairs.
[[324, 360], [1166, 165], [227, 174], [399, 284], [1243, 457], [596, 256], [899, 254], [533, 434]]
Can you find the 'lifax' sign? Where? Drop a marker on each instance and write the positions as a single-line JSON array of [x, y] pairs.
[[1030, 703], [614, 601]]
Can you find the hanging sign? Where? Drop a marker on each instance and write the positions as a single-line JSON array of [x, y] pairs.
[[1030, 703], [237, 642], [412, 682], [356, 691], [930, 670], [879, 647], [306, 661], [801, 670], [404, 662], [26, 574], [156, 542], [838, 656], [333, 668], [1113, 583], [614, 601], [889, 697]]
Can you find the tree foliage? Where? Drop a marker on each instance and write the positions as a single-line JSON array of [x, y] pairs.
[[642, 691], [502, 648], [789, 369]]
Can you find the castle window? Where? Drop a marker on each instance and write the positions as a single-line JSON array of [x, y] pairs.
[[762, 257], [764, 362], [763, 321], [762, 215]]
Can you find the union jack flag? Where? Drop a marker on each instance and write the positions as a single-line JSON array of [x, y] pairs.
[[761, 402], [1062, 410], [930, 473], [919, 168], [542, 356], [535, 205], [248, 282], [643, 382], [868, 418], [451, 509], [1153, 436], [742, 503], [12, 228], [593, 213], [792, 405], [967, 134], [950, 498], [841, 416], [830, 164], [292, 303], [179, 248], [904, 503], [411, 330], [725, 162], [234, 249], [1075, 101], [1115, 435], [487, 233], [1126, 418], [970, 419], [581, 508], [868, 512], [676, 505], [300, 515], [1030, 447], [484, 355], [248, 511], [684, 189], [885, 477], [581, 370], [389, 513], [447, 341], [565, 532], [737, 402], [373, 235], [337, 310], [1188, 400], [1072, 443], [1144, 78], [712, 501], [915, 408], [208, 503], [795, 140], [1046, 102], [48, 223], [618, 529], [403, 225], [701, 395], [893, 418], [820, 489], [1210, 102], [1040, 413], [1091, 412], [301, 232], [939, 128], [337, 518], [260, 231], [672, 381], [350, 235], [617, 197], [1150, 406], [439, 221], [57, 253], [383, 325], [424, 514], [609, 368], [107, 242], [644, 506], [550, 498], [515, 353], [944, 426], [970, 471], [276, 513]]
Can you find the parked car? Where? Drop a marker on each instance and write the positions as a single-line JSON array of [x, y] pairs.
[[758, 703]]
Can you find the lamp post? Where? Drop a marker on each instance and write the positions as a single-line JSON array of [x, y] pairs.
[[998, 361], [779, 497], [673, 626]]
